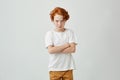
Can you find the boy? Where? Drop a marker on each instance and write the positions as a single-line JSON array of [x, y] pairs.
[[61, 43]]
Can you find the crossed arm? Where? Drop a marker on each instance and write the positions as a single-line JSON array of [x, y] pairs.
[[65, 48]]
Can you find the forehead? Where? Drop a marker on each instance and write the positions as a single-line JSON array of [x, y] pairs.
[[58, 17]]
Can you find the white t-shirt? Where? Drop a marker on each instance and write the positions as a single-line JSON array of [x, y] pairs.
[[60, 61]]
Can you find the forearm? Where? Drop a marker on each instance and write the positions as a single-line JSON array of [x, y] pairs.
[[57, 49], [68, 50]]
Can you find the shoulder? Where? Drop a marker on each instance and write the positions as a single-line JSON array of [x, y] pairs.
[[69, 30], [49, 32]]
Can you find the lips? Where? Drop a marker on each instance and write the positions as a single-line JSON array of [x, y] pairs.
[[59, 27]]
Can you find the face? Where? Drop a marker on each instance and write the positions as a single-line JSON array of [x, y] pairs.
[[59, 22]]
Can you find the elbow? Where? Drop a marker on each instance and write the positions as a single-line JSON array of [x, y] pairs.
[[50, 51], [73, 50]]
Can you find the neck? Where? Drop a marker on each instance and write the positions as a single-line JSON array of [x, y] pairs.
[[60, 30]]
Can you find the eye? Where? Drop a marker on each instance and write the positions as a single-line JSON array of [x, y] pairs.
[[56, 20], [62, 20]]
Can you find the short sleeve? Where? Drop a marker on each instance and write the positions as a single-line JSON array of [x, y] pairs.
[[48, 39], [72, 37]]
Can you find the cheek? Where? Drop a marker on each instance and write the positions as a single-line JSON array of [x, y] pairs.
[[55, 23], [63, 23]]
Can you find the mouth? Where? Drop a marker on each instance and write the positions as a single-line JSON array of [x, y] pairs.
[[59, 26]]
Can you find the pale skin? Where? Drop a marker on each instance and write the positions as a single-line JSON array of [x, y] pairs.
[[59, 27]]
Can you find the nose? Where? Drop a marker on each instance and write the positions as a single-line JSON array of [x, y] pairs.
[[59, 23]]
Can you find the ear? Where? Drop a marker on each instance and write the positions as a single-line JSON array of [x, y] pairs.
[[52, 20], [65, 20]]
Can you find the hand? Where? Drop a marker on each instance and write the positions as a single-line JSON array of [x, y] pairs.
[[66, 45]]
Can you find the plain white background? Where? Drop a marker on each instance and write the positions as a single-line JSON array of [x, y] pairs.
[[23, 24]]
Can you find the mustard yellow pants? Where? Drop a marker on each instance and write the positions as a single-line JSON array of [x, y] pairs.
[[61, 75]]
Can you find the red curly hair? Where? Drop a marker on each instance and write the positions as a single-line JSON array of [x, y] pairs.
[[59, 11]]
